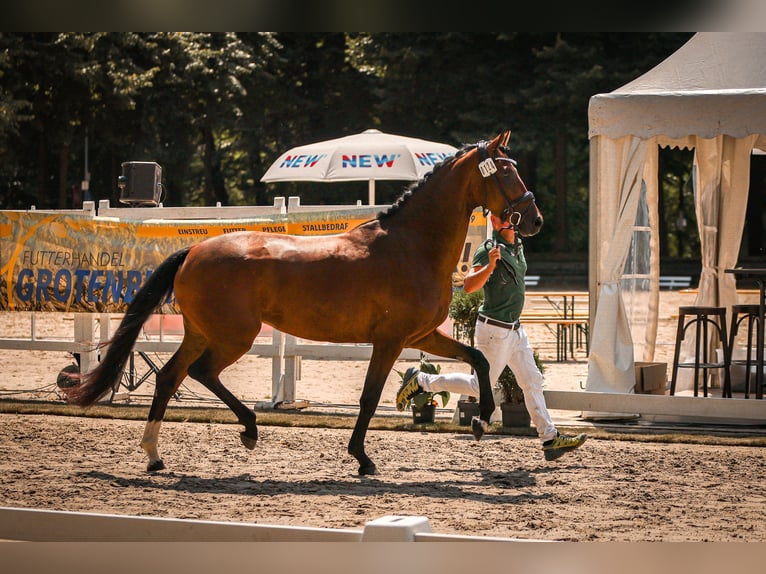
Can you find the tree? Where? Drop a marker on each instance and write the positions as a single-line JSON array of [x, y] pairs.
[[313, 92], [570, 68], [70, 81], [215, 109]]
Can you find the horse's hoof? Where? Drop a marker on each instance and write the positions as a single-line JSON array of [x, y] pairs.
[[478, 427], [368, 469], [248, 441], [155, 466]]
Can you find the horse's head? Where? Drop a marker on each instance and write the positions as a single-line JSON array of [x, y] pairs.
[[505, 194]]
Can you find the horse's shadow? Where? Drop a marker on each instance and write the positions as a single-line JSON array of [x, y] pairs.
[[355, 485]]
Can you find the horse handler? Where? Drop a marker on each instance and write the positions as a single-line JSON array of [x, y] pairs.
[[499, 267]]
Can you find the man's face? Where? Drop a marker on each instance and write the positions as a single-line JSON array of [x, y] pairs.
[[503, 227], [498, 224]]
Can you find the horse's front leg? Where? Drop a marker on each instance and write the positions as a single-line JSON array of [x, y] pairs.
[[437, 343], [381, 363]]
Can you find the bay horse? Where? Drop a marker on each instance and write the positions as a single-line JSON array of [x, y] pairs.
[[387, 282]]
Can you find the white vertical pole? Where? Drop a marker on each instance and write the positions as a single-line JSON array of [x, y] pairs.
[[292, 369], [84, 335], [277, 358]]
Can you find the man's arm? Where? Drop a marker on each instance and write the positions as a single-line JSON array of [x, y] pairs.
[[478, 276]]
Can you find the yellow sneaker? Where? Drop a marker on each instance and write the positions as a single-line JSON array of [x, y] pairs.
[[410, 387], [562, 444]]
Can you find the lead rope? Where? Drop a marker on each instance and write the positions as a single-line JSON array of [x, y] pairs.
[[489, 244]]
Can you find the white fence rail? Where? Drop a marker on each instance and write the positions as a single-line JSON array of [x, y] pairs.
[[285, 351], [34, 525]]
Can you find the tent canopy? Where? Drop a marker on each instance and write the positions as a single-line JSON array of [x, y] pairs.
[[710, 95], [714, 84]]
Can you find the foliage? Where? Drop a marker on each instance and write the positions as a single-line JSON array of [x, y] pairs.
[[676, 205], [215, 109], [463, 310], [508, 386], [420, 400]]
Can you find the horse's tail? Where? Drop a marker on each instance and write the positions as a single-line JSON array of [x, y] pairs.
[[95, 384]]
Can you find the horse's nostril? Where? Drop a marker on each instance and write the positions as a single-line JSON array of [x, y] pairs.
[[539, 222]]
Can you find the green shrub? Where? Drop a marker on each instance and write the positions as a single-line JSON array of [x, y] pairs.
[[463, 310]]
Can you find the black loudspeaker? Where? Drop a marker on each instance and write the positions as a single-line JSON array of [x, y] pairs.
[[140, 183]]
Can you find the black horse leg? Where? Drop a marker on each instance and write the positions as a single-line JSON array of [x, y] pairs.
[[436, 343], [381, 363], [168, 380], [165, 387], [206, 370]]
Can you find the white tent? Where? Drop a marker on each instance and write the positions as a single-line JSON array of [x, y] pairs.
[[710, 95]]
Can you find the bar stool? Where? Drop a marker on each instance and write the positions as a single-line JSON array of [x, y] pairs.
[[702, 318], [738, 315]]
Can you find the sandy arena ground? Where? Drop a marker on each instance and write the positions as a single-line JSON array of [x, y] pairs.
[[609, 490]]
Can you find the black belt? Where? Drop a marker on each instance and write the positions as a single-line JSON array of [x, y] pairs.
[[512, 326]]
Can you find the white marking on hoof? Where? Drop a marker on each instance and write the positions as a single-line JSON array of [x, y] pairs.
[[149, 442]]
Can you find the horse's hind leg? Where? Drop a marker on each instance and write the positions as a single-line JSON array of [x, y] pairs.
[[168, 380], [437, 343], [206, 370]]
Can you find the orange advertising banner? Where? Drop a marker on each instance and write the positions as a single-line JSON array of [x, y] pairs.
[[70, 262]]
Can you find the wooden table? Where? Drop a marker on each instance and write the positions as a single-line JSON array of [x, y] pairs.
[[759, 276], [562, 302], [570, 322]]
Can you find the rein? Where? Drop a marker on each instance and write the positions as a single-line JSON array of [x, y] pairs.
[[487, 167], [491, 243]]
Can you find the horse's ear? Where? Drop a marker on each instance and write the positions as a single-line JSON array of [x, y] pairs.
[[501, 140]]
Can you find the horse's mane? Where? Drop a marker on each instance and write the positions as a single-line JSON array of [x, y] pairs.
[[414, 187]]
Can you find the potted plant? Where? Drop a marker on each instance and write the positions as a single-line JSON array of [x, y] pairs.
[[424, 404], [463, 310], [512, 406], [466, 410]]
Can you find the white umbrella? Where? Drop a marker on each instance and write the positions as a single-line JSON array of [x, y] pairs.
[[370, 155]]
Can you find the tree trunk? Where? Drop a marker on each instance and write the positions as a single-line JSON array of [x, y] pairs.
[[41, 170], [562, 232], [63, 174], [215, 187], [114, 190]]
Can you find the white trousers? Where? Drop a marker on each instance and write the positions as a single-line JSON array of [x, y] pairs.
[[502, 347]]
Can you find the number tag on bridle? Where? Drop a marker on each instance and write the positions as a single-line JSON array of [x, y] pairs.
[[487, 167]]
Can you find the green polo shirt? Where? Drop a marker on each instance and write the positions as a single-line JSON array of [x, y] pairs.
[[503, 298]]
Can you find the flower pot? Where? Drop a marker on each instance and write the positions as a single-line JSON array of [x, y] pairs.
[[466, 410], [423, 415], [515, 415]]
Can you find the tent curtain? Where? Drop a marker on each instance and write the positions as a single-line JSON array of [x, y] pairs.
[[622, 161], [721, 180], [639, 283], [630, 164], [722, 170], [651, 169], [710, 95]]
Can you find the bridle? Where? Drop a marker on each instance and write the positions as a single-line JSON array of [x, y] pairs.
[[488, 167]]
